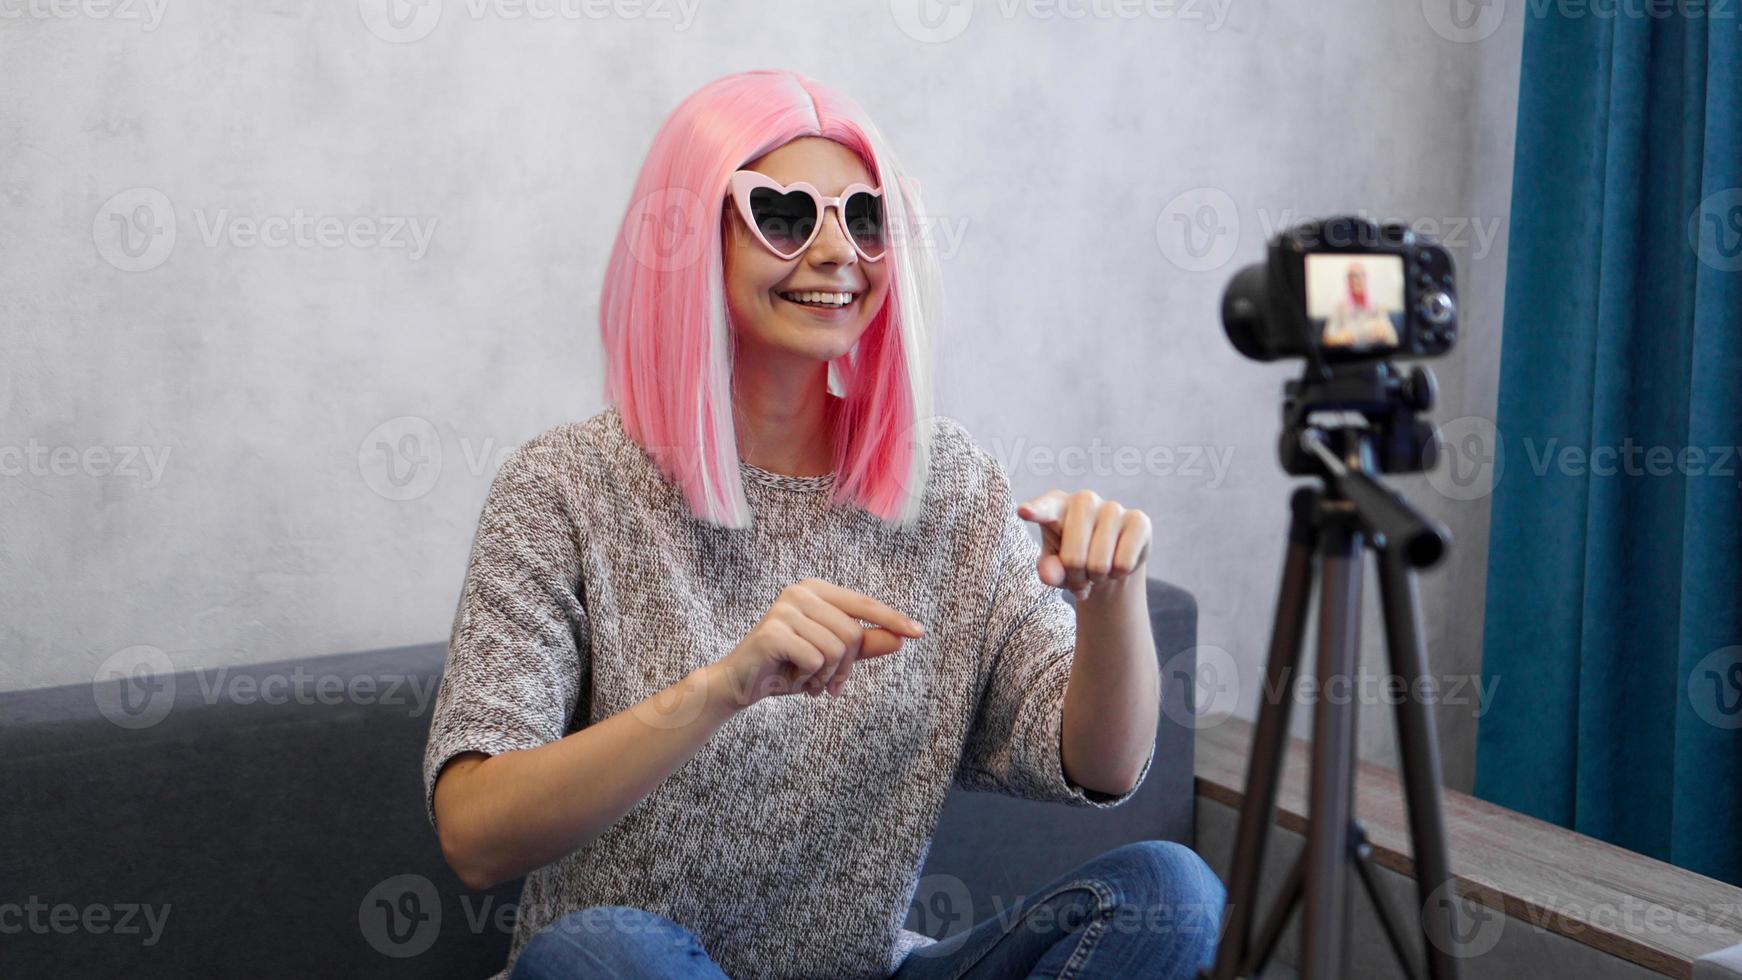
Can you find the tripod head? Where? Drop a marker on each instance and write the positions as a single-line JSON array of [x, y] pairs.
[[1346, 423]]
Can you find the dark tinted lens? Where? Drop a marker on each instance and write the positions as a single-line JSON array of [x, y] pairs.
[[864, 214], [785, 220]]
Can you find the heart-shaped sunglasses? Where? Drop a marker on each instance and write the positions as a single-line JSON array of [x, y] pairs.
[[786, 219]]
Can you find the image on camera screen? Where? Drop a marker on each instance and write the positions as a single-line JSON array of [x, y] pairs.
[[1355, 300]]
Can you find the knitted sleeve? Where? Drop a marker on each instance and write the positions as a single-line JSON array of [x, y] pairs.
[[1015, 743], [519, 646]]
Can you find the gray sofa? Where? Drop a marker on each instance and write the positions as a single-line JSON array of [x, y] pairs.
[[268, 822]]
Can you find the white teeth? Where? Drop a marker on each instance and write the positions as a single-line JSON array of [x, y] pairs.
[[820, 299]]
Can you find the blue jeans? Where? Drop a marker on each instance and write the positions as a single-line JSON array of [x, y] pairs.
[[1147, 909]]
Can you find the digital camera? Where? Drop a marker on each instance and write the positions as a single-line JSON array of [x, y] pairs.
[[1344, 289]]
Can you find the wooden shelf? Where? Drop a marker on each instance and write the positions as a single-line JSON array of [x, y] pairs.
[[1536, 872]]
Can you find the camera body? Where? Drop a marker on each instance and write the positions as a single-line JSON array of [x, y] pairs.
[[1341, 290]]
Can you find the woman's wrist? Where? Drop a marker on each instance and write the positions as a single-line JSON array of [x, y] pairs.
[[1131, 588], [723, 690]]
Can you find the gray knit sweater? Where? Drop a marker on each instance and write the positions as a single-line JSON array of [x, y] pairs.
[[791, 843]]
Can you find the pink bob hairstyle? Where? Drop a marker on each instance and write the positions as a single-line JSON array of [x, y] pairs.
[[663, 315]]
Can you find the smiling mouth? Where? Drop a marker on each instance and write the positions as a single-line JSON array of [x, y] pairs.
[[820, 300]]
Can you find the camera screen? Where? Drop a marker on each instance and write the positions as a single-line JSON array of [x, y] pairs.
[[1355, 300]]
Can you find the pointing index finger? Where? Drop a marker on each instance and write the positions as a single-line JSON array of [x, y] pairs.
[[1048, 508], [868, 609]]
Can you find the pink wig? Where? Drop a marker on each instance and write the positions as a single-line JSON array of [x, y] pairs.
[[663, 316]]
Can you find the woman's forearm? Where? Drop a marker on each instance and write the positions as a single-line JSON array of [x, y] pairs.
[[501, 816], [1112, 706]]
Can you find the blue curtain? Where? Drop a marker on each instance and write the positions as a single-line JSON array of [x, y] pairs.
[[1615, 559]]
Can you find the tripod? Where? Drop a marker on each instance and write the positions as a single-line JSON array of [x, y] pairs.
[[1336, 426]]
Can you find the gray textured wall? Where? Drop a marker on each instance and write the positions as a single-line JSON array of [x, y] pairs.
[[270, 436]]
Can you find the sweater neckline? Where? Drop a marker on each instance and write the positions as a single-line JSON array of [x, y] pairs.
[[786, 481], [749, 474]]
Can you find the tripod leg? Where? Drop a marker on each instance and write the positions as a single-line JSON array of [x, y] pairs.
[[1273, 923], [1419, 755], [1332, 783], [1393, 935], [1270, 737]]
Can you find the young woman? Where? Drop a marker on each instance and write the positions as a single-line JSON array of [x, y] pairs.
[[770, 508]]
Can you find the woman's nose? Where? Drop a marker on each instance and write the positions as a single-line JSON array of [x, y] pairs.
[[831, 246]]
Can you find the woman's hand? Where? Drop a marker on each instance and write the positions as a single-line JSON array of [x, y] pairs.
[[809, 640], [1086, 540]]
